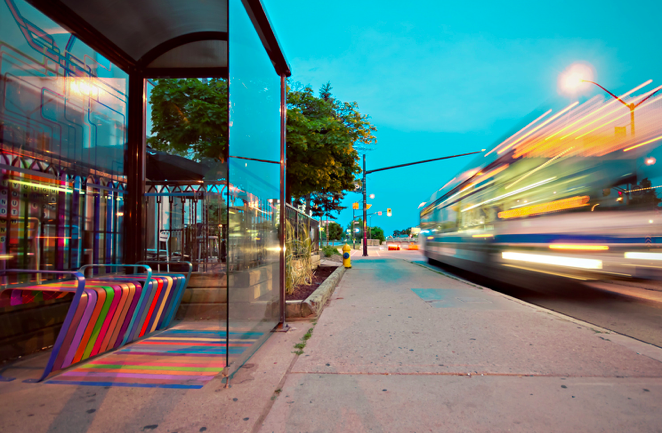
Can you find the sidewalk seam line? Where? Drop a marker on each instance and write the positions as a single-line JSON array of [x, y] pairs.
[[474, 374], [265, 412]]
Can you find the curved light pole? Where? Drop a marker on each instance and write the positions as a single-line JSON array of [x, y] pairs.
[[631, 105]]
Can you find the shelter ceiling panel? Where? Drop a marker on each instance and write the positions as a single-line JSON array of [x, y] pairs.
[[146, 24], [199, 54]]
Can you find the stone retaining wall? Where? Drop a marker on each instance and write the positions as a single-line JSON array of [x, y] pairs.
[[314, 304]]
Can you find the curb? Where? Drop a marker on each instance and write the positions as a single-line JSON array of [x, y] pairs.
[[314, 304]]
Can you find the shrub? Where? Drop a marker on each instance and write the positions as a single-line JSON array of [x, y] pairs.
[[298, 269], [329, 251]]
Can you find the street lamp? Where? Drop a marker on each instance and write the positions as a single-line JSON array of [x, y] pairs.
[[577, 74], [631, 105], [571, 80]]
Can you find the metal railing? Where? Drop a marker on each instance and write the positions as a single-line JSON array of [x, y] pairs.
[[303, 227]]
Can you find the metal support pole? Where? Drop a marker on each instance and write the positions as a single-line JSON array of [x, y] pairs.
[[632, 107], [134, 205], [352, 232], [283, 167], [365, 211]]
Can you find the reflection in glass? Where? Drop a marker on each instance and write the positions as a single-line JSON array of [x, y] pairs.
[[62, 138], [254, 190]]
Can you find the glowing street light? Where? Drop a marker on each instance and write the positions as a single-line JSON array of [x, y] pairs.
[[650, 161], [573, 79]]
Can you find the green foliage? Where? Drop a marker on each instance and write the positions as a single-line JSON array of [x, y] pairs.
[[377, 233], [304, 339], [334, 231], [298, 257], [405, 232], [329, 251], [190, 118], [644, 195], [323, 135], [323, 203]]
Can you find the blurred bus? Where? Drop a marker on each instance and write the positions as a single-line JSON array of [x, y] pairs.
[[569, 196]]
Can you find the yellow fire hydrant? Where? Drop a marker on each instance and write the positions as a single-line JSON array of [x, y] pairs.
[[346, 260]]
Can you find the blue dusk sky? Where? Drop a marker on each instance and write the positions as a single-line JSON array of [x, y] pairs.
[[442, 78]]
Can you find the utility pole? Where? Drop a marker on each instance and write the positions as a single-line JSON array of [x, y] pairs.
[[365, 189], [365, 211]]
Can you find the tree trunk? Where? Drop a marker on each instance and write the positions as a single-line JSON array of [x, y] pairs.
[[288, 194]]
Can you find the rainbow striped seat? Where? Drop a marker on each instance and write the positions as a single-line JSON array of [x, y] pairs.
[[106, 312]]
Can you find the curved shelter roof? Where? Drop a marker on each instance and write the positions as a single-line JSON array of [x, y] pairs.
[[162, 38]]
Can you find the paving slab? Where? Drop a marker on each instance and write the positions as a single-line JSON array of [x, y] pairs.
[[43, 407], [458, 357], [416, 403]]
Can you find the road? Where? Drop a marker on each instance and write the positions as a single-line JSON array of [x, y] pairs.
[[628, 308]]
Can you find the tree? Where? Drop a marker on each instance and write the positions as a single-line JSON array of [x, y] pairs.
[[405, 232], [324, 203], [334, 231], [644, 195], [190, 118], [377, 233], [323, 135]]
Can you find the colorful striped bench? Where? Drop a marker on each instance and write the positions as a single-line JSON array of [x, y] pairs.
[[106, 312]]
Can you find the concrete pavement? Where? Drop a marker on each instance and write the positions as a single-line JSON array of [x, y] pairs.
[[42, 407], [402, 347]]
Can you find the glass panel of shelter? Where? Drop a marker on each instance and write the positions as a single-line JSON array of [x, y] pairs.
[[63, 139], [62, 178], [186, 205], [185, 196], [254, 191]]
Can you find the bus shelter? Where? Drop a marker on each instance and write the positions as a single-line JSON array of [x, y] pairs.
[[81, 186]]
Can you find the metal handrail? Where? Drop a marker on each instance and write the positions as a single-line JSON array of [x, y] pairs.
[[124, 277]]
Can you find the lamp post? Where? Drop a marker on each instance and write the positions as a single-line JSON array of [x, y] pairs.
[[631, 105], [365, 188]]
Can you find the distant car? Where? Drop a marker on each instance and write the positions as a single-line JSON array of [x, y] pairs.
[[393, 246]]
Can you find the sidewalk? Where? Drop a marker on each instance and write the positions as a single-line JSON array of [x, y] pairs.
[[53, 408], [445, 356], [401, 348]]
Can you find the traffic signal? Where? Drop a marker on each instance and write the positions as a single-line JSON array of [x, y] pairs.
[[388, 211], [355, 205], [379, 213]]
